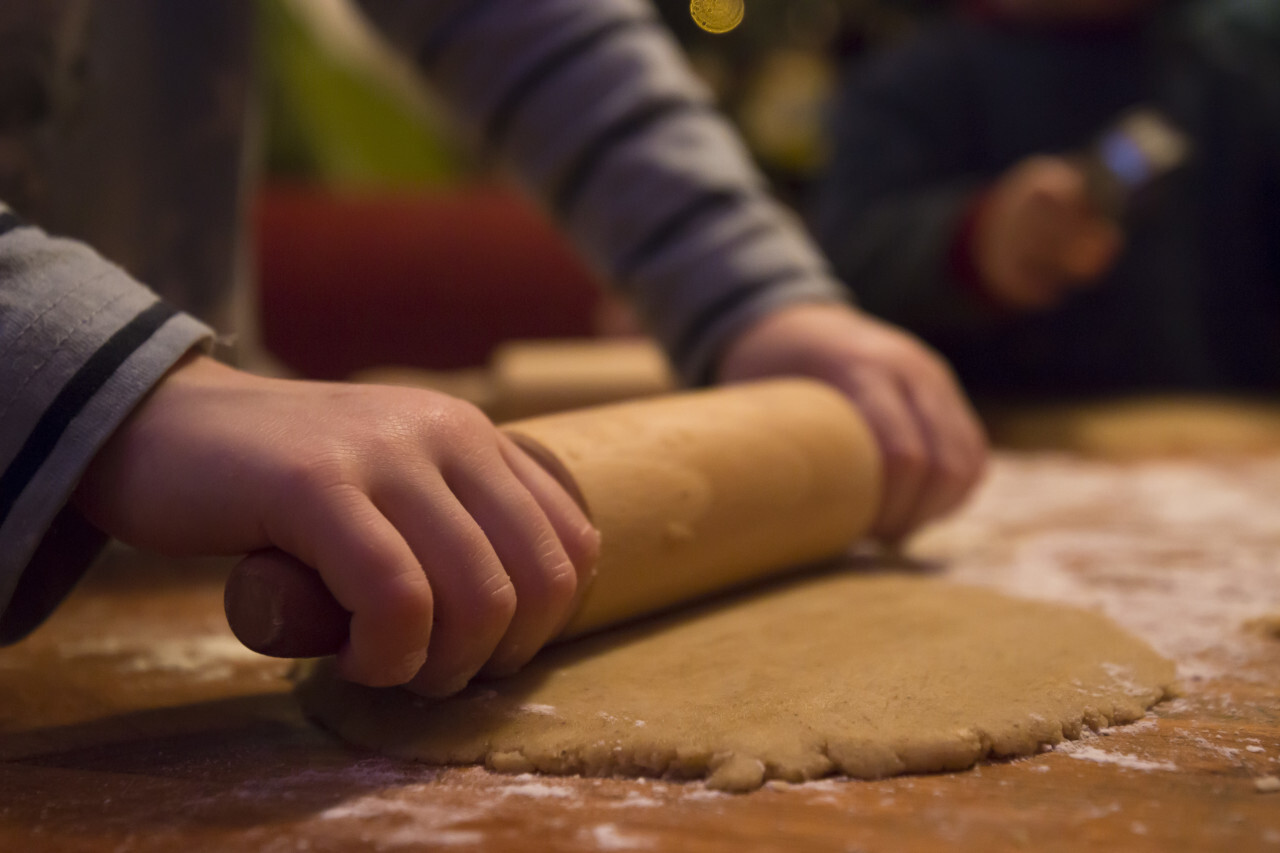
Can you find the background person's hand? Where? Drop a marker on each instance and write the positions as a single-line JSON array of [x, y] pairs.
[[1038, 236], [453, 551], [933, 446]]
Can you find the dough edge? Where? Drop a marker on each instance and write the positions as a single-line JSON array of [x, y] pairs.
[[383, 719]]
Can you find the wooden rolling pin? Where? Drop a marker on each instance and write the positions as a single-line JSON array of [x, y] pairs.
[[692, 493], [532, 378]]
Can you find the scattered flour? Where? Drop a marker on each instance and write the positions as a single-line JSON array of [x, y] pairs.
[[368, 774], [1230, 753], [206, 657], [1120, 759], [635, 799], [607, 836], [1139, 543], [705, 794], [1267, 784], [378, 806], [409, 822], [537, 788]]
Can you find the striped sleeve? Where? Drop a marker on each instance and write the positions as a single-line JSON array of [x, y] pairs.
[[593, 105], [80, 344]]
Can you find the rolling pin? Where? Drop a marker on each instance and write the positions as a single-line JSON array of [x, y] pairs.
[[692, 493], [533, 378]]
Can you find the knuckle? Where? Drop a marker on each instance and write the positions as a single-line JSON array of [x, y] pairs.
[[955, 468], [385, 437], [548, 594], [405, 604], [555, 582], [493, 604], [391, 673], [316, 475], [905, 455], [458, 418], [583, 547]]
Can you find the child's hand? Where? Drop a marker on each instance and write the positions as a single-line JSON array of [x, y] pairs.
[[451, 548], [1038, 236], [933, 447]]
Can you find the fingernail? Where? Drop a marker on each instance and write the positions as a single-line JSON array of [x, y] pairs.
[[509, 664], [408, 667], [443, 687]]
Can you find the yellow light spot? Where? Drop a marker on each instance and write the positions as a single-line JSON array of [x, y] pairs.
[[717, 16]]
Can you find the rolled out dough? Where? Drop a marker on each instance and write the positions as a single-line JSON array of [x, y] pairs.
[[867, 675]]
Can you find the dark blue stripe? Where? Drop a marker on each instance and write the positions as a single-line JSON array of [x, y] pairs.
[[448, 30], [72, 399], [583, 168], [500, 121], [674, 226], [709, 316]]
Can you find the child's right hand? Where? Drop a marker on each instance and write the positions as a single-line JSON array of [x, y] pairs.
[[452, 549], [1038, 236]]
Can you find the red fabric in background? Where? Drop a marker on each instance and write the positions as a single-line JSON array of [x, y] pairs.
[[436, 280]]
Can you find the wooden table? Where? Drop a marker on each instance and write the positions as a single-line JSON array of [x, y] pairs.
[[132, 721]]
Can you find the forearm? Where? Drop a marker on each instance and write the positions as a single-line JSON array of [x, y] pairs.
[[593, 105], [80, 344]]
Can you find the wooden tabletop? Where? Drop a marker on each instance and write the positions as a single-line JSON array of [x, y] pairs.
[[133, 721]]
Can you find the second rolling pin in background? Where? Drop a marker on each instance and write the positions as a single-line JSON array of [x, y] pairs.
[[692, 493]]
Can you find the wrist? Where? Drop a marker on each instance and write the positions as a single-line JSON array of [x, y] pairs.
[[963, 264], [136, 436]]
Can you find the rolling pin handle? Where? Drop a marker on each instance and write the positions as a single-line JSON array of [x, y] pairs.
[[278, 606]]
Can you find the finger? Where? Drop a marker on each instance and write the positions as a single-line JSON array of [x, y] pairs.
[[1061, 181], [532, 555], [568, 517], [1037, 282], [903, 446], [1093, 250], [474, 597], [373, 573], [1031, 272], [956, 449]]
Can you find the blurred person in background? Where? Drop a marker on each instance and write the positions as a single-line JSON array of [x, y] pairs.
[[987, 190]]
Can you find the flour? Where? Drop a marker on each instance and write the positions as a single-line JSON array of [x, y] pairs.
[[703, 793], [537, 788], [607, 836], [1184, 554], [201, 657], [635, 799], [1074, 749], [1180, 553]]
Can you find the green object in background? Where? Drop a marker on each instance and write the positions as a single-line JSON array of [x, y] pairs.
[[332, 120]]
